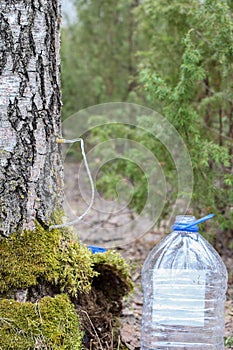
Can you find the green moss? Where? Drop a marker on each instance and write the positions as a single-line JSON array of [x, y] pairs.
[[52, 323], [35, 264], [114, 274], [44, 255], [114, 260]]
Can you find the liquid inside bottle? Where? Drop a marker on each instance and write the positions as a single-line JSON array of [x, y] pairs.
[[184, 283]]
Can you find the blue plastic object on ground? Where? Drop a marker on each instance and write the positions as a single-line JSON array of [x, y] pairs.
[[95, 249]]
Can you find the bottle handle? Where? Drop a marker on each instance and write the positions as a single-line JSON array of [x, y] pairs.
[[199, 221]]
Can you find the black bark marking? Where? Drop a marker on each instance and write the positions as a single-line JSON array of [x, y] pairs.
[[41, 71], [7, 42]]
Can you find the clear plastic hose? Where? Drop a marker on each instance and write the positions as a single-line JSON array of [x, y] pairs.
[[79, 218]]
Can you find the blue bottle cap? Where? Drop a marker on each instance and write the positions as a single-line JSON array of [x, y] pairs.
[[191, 226]]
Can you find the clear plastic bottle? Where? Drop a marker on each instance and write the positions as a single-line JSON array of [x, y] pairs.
[[184, 282]]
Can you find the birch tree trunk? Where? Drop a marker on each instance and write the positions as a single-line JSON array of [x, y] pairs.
[[30, 106]]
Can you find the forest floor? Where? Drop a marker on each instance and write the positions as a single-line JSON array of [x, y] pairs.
[[106, 227]]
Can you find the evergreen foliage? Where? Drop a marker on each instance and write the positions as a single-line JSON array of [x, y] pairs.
[[98, 54], [198, 100], [181, 64]]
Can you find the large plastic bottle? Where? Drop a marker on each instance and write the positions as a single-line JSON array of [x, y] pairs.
[[184, 282]]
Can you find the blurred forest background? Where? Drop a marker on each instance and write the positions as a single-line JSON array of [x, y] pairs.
[[175, 57]]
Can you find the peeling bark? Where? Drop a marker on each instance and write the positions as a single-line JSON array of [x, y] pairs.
[[31, 176]]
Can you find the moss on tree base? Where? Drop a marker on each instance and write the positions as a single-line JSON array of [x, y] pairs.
[[56, 294], [52, 323]]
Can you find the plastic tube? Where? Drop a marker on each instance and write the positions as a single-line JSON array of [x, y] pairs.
[[79, 218]]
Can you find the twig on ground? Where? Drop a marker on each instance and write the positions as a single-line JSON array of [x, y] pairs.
[[93, 327]]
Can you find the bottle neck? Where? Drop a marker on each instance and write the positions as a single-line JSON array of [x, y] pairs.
[[181, 223]]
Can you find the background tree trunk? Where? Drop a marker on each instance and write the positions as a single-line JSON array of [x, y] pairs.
[[30, 113]]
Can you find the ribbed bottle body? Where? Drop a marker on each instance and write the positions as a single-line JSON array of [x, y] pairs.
[[184, 283]]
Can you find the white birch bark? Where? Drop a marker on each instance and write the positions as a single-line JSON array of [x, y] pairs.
[[31, 177]]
